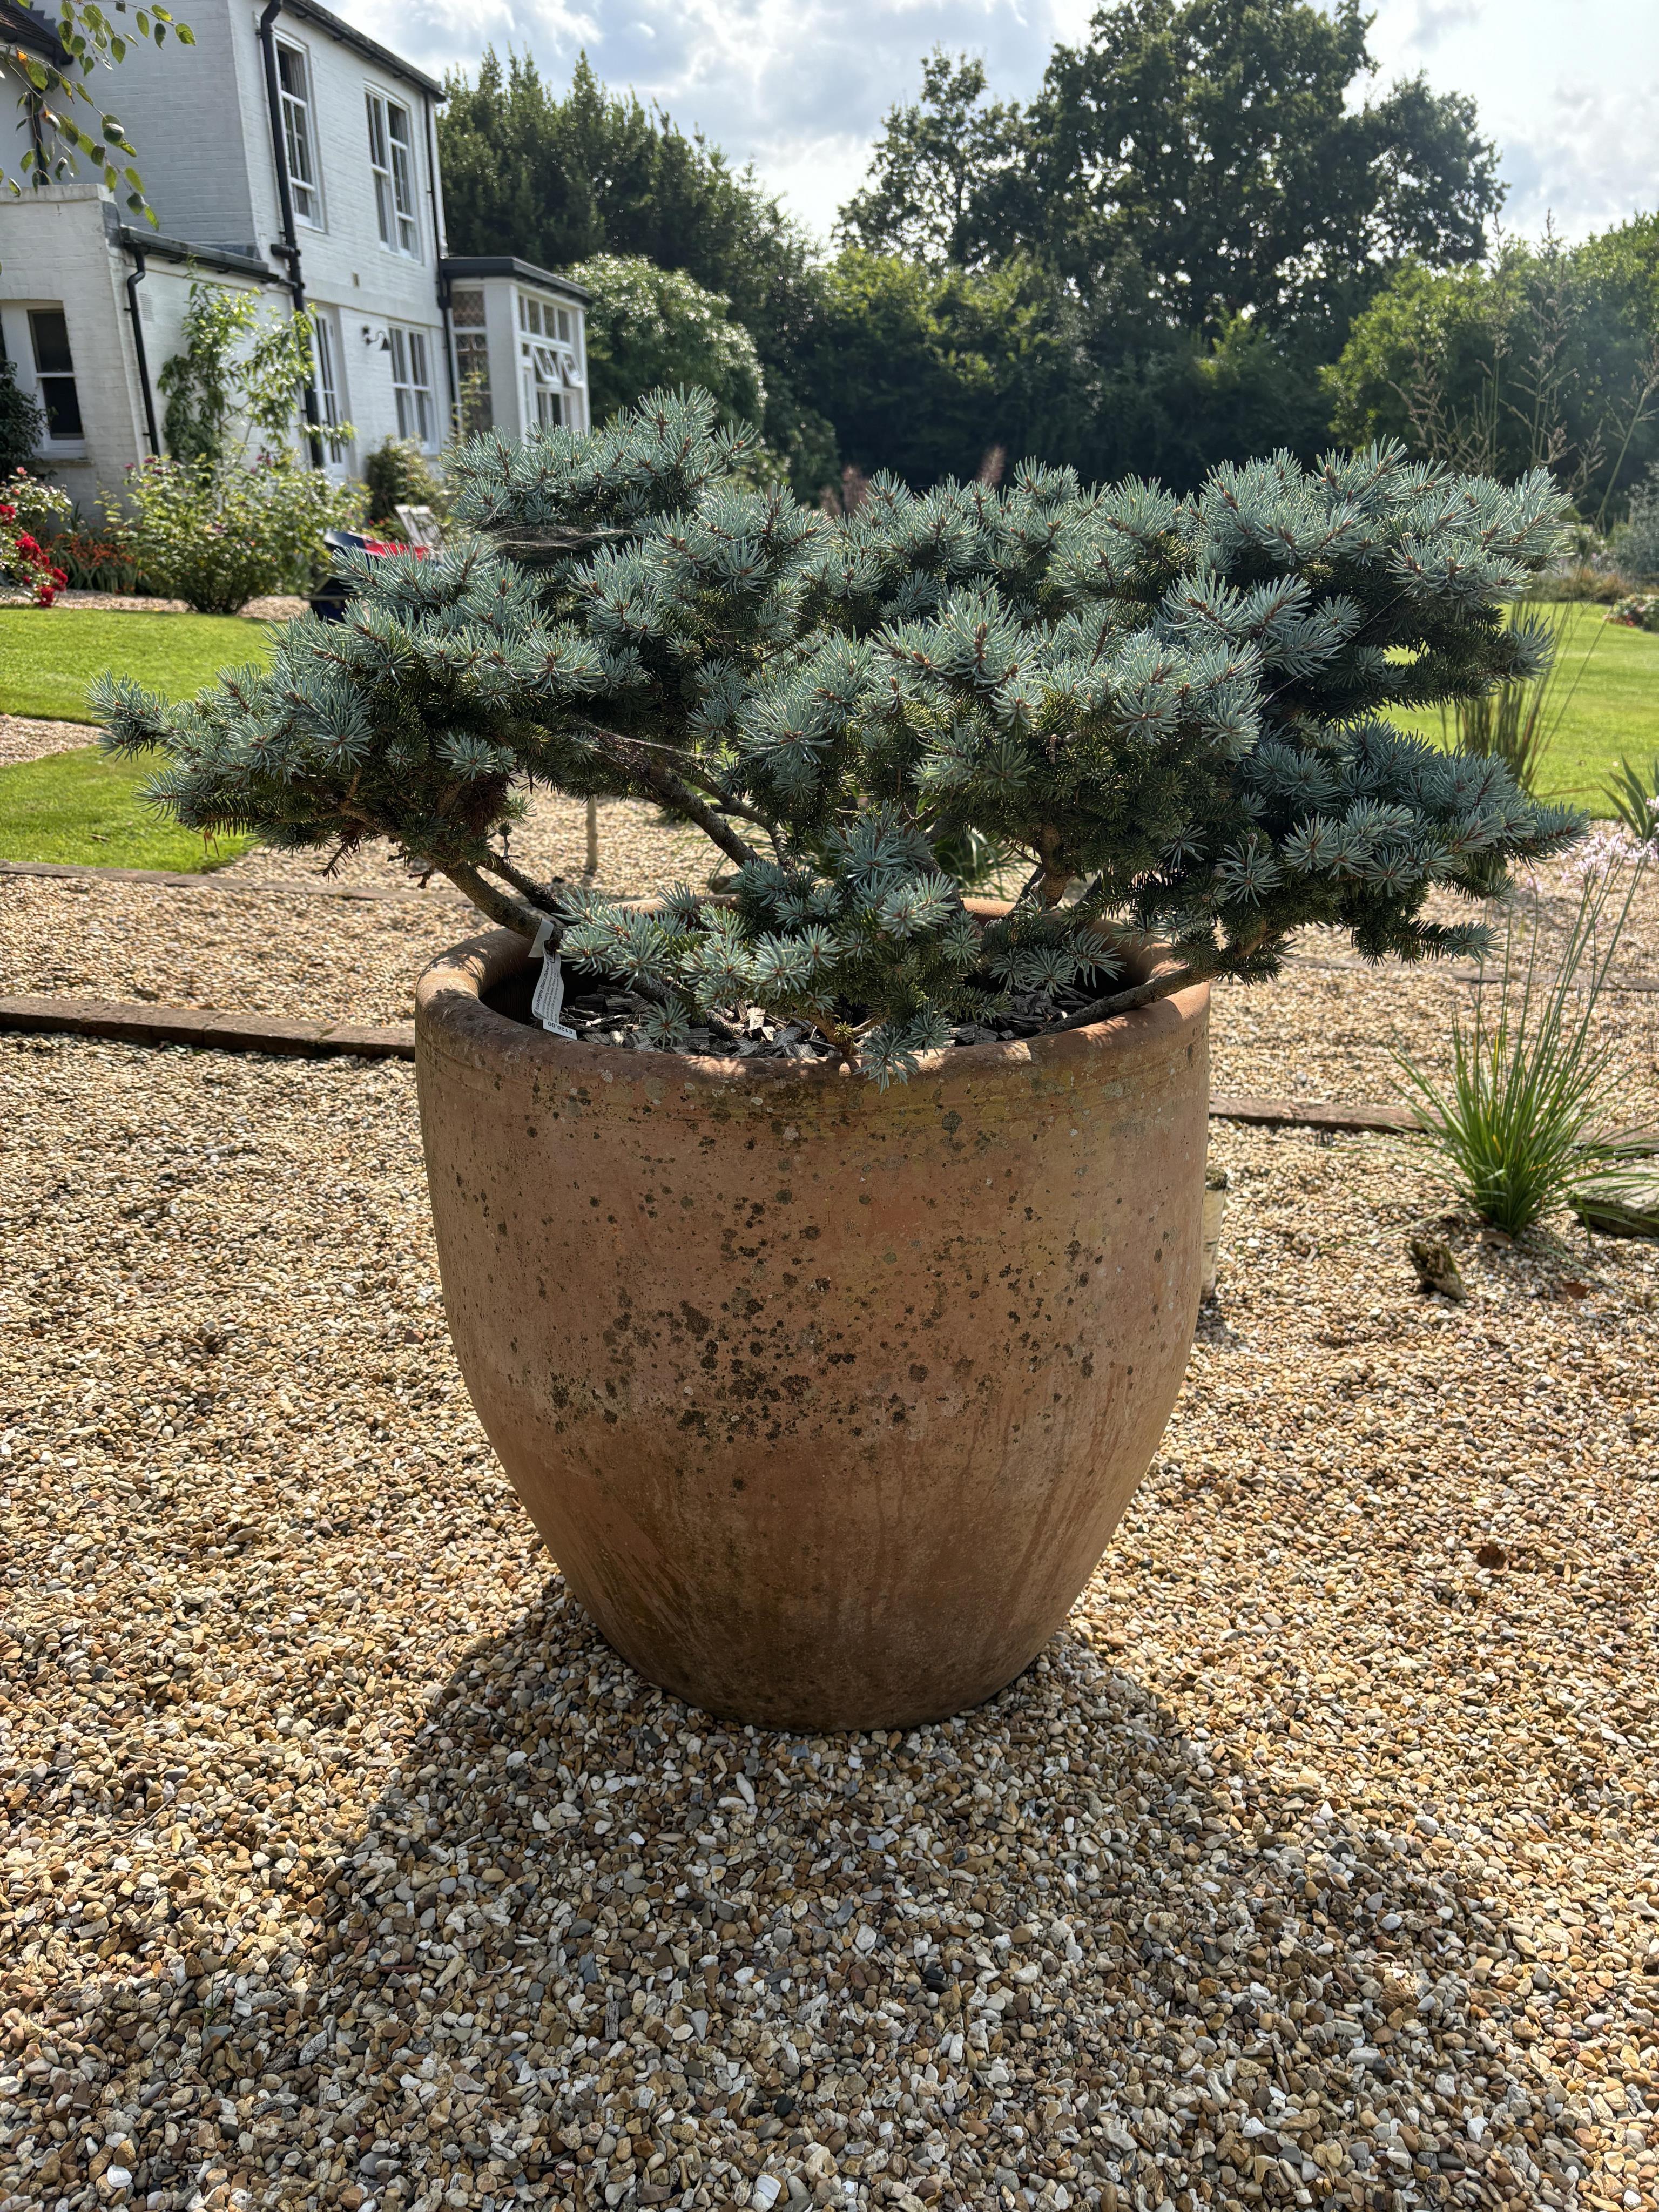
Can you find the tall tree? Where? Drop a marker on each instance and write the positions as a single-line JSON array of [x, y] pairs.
[[560, 179], [1193, 161], [1545, 355], [933, 169], [1215, 145]]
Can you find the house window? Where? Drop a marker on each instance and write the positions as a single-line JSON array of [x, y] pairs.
[[54, 368], [328, 382], [391, 157], [411, 382], [466, 316], [547, 360], [294, 80]]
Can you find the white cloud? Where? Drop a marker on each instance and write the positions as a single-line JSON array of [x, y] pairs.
[[1590, 163], [1438, 19], [800, 87]]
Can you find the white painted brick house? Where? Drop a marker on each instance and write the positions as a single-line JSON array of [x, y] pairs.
[[288, 153]]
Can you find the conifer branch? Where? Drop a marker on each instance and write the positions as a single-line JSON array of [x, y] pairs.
[[496, 906], [635, 757], [1169, 704], [499, 864], [1163, 986]]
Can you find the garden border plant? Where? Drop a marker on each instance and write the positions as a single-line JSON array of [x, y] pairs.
[[826, 1393]]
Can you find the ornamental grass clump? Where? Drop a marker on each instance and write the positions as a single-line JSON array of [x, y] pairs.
[[1169, 715], [1524, 1124]]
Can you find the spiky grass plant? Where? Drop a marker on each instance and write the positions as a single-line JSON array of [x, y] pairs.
[[1517, 721], [1632, 797], [1171, 712], [1522, 1125]]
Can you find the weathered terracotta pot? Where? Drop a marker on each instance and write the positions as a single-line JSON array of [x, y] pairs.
[[825, 1399]]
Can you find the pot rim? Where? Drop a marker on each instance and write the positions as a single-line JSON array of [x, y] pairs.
[[449, 996]]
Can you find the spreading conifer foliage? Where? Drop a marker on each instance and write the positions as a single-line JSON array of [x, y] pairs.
[[1173, 711]]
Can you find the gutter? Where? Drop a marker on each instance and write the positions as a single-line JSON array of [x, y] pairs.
[[443, 280], [134, 280], [290, 248]]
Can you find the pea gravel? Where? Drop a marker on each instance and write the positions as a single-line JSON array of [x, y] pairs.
[[1315, 1863]]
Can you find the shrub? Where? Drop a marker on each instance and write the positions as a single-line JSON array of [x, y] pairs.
[[1636, 544], [648, 327], [24, 562], [95, 563], [1637, 611], [1632, 797], [1171, 711], [218, 537], [35, 504], [397, 475], [1581, 583]]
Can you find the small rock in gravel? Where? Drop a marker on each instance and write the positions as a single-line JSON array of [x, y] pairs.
[[1435, 1268]]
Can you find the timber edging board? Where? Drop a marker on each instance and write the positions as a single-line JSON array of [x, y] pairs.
[[121, 1022]]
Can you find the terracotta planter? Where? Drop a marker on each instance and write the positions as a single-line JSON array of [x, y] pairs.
[[825, 1399]]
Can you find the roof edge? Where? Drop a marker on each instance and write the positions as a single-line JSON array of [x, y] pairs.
[[508, 264], [204, 256], [310, 12]]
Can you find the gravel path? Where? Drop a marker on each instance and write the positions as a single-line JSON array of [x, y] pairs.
[[275, 607], [1316, 1862], [27, 737]]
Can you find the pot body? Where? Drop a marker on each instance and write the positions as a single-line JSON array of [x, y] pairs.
[[825, 1399]]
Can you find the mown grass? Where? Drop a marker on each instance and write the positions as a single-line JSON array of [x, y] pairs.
[[1608, 694], [81, 809], [49, 655]]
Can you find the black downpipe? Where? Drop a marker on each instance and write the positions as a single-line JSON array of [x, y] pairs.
[[133, 281], [290, 248], [443, 280]]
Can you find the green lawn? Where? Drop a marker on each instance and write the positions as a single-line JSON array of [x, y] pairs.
[[82, 809], [1610, 684], [49, 655]]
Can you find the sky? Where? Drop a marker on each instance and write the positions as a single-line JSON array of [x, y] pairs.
[[1568, 89]]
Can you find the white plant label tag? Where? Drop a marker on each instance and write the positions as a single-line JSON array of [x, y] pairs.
[[548, 1004]]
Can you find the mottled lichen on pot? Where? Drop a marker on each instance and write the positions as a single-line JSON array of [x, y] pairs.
[[825, 1398]]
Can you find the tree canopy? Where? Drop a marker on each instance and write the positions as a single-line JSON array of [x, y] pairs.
[[648, 326], [1207, 231], [1548, 355], [560, 179]]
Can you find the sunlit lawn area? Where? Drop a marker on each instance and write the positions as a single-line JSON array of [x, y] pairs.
[[1609, 684], [81, 810], [77, 808], [49, 655]]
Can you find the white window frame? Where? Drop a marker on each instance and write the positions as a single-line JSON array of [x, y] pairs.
[[326, 357], [300, 137], [412, 383], [396, 171], [471, 340], [549, 364], [51, 440]]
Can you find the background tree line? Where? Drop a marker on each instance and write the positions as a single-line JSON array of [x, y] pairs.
[[1196, 243]]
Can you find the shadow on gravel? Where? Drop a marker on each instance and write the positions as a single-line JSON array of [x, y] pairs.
[[596, 1948]]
